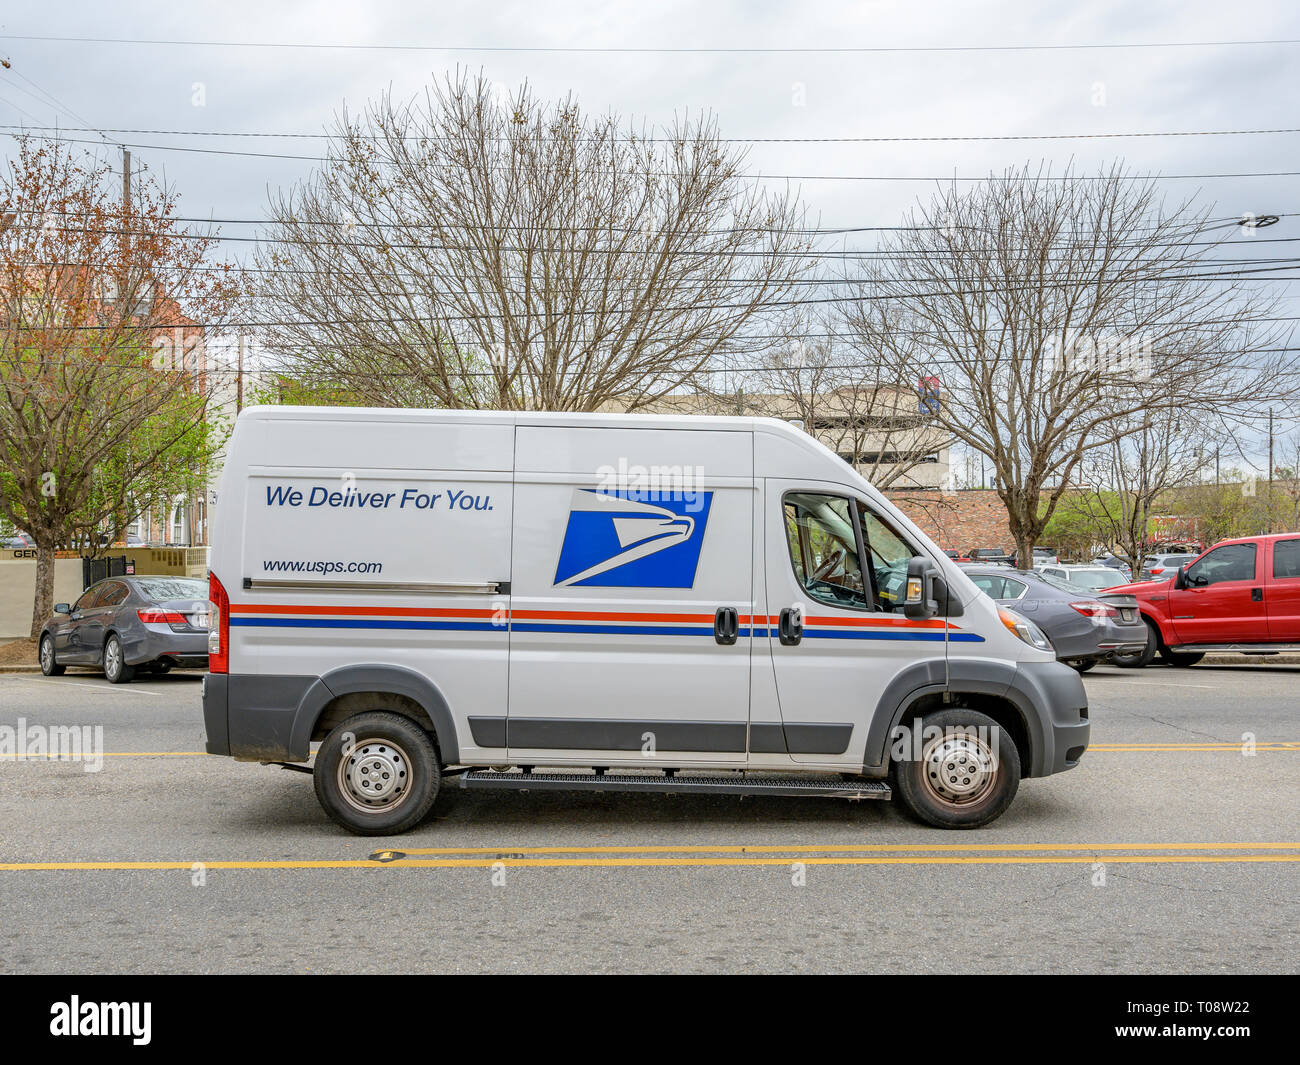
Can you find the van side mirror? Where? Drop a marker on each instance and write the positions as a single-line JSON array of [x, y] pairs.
[[62, 608], [926, 593]]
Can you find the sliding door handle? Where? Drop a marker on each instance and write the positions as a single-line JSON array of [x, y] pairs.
[[726, 625], [790, 625]]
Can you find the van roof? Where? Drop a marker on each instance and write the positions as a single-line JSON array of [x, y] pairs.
[[507, 417], [788, 439]]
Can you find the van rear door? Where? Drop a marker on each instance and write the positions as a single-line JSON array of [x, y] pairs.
[[627, 545], [837, 634]]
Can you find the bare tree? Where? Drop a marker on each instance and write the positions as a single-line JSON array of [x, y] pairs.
[[849, 400], [1288, 477], [1053, 311], [467, 250], [1122, 483], [97, 412]]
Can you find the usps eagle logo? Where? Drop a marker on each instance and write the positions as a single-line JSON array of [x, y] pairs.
[[624, 540]]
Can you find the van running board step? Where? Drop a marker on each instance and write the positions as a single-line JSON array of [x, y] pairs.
[[731, 784]]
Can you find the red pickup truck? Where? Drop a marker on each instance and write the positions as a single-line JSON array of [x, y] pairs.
[[1241, 595]]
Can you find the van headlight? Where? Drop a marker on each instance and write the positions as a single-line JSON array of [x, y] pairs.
[[1024, 629]]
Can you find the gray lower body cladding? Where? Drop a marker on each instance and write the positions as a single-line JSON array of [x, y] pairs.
[[612, 734], [271, 718]]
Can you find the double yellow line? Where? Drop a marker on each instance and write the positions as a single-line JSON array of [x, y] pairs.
[[1232, 747], [686, 856]]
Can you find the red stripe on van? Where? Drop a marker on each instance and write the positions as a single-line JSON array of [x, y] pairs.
[[360, 611], [874, 622], [607, 615]]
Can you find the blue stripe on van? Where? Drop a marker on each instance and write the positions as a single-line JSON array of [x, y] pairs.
[[363, 623], [622, 630], [930, 636]]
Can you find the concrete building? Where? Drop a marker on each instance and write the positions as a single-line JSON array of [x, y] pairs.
[[882, 433]]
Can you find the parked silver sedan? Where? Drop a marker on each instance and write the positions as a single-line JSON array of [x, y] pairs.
[[125, 624], [1085, 628]]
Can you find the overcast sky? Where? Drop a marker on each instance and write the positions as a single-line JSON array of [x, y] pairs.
[[192, 88]]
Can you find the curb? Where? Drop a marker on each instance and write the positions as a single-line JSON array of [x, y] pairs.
[[1251, 660], [20, 669]]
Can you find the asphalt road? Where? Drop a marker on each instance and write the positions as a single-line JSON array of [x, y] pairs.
[[1149, 857]]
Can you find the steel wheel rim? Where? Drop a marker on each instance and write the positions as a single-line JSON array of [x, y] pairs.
[[958, 768], [374, 776], [112, 658], [47, 654]]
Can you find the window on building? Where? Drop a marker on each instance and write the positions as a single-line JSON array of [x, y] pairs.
[[178, 524]]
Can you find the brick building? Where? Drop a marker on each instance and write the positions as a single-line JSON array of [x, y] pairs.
[[958, 520]]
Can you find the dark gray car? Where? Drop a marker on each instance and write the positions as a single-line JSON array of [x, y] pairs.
[[128, 623], [1084, 629]]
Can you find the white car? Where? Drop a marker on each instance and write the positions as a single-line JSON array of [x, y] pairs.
[[1088, 579], [459, 598]]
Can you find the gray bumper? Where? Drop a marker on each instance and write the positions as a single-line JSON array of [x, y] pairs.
[[215, 714], [1053, 697], [142, 644], [1123, 638], [251, 718]]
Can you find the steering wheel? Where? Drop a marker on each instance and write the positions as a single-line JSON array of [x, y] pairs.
[[839, 591]]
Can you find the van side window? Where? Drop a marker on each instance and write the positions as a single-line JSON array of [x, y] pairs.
[[888, 554], [824, 548]]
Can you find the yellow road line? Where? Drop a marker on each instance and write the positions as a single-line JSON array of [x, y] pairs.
[[1259, 745], [677, 862], [108, 754], [853, 848]]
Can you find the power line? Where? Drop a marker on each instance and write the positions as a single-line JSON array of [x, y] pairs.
[[759, 176], [723, 140], [611, 313], [651, 49]]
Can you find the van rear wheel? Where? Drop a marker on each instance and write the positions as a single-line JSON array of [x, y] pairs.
[[377, 774], [968, 772]]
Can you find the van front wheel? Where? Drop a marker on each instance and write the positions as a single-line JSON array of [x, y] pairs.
[[377, 774], [967, 773]]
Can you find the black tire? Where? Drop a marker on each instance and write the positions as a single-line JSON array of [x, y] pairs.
[[116, 671], [387, 746], [930, 799], [45, 652], [1082, 665], [1139, 659], [1182, 658]]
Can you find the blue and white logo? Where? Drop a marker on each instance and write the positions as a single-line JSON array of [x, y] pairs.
[[614, 541]]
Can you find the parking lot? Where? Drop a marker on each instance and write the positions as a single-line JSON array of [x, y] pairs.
[[1169, 849]]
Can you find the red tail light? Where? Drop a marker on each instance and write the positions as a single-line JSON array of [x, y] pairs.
[[1157, 570], [161, 617], [219, 627], [1095, 610]]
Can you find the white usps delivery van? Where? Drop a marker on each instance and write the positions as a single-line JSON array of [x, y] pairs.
[[605, 602]]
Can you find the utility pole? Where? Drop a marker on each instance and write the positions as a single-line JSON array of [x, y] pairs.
[[126, 181], [1269, 502]]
